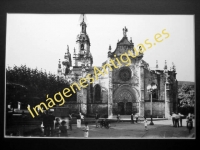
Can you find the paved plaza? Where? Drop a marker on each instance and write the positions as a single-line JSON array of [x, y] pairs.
[[162, 129]]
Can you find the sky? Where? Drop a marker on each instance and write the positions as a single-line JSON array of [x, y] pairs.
[[40, 40]]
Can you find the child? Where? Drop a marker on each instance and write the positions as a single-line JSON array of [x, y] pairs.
[[145, 123], [189, 122], [118, 117], [136, 118], [79, 120], [86, 130], [63, 129]]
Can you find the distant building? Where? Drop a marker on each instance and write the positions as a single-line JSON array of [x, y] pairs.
[[123, 90]]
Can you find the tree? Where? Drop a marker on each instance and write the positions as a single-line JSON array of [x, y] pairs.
[[34, 84], [186, 99]]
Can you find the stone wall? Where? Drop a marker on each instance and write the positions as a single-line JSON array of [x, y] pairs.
[[104, 95], [115, 108], [158, 109], [103, 82], [162, 87], [102, 109]]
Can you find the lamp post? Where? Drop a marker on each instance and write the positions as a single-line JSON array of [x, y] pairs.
[[82, 92], [150, 89]]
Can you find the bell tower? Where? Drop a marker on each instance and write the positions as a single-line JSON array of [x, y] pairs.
[[83, 57]]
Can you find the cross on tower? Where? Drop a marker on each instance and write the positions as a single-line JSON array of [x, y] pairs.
[[124, 31]]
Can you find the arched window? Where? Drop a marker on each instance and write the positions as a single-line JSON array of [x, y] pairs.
[[97, 93], [82, 46]]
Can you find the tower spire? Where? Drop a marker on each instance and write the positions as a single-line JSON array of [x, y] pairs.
[[83, 24], [173, 67], [165, 67]]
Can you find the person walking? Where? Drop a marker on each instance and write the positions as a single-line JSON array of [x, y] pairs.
[[97, 119], [136, 117], [46, 124], [57, 127], [189, 122], [86, 130], [145, 124], [70, 121], [79, 120], [82, 119], [177, 120], [189, 119], [51, 123], [180, 118], [132, 118], [173, 119]]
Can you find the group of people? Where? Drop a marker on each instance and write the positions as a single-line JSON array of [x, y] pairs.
[[48, 123], [61, 126], [103, 123], [134, 118], [176, 118]]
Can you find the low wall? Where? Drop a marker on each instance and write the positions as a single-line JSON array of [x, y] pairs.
[[64, 111]]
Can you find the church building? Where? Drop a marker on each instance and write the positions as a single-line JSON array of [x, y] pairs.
[[124, 89]]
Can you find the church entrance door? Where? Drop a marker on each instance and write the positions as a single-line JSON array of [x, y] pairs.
[[128, 108], [121, 108], [125, 97]]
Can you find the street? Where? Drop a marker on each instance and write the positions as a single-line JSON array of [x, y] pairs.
[[160, 129]]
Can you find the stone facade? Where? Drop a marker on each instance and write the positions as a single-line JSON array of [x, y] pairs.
[[123, 89]]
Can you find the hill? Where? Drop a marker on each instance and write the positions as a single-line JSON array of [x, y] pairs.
[[180, 83]]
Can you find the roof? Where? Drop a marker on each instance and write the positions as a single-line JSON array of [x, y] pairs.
[[124, 41], [123, 46]]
